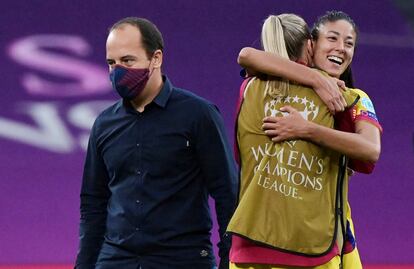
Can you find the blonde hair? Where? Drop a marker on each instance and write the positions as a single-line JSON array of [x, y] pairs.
[[285, 35]]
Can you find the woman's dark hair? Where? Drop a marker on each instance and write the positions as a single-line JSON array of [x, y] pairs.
[[331, 16], [347, 77]]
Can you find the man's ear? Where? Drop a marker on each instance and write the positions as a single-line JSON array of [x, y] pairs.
[[157, 59]]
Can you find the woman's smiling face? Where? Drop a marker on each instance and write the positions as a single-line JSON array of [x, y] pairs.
[[334, 48]]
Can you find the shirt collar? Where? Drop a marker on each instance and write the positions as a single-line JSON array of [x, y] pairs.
[[162, 98]]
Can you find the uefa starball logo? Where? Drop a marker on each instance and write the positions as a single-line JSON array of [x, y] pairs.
[[307, 109]]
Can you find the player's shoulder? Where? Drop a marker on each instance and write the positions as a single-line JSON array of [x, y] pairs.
[[365, 101], [360, 92]]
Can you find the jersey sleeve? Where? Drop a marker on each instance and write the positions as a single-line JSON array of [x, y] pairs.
[[364, 110], [345, 121]]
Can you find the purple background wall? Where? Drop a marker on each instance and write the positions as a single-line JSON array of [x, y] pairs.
[[54, 82]]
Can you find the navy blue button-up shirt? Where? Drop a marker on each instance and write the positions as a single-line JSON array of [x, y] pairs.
[[146, 182]]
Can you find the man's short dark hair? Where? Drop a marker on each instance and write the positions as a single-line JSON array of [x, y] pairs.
[[150, 35]]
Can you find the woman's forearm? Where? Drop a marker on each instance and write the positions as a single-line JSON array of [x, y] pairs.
[[258, 61], [362, 145], [274, 65]]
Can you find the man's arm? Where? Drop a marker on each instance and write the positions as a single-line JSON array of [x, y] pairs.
[[219, 169], [93, 208]]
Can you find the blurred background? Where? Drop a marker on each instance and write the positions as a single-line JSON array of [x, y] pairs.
[[54, 82]]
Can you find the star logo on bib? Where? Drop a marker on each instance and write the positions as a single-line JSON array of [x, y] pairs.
[[307, 109]]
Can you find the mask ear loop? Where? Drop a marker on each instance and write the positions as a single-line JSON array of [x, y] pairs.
[[150, 72]]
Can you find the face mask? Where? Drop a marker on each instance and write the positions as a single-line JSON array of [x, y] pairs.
[[129, 82]]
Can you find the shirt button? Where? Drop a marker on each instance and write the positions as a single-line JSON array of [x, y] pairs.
[[138, 144], [138, 201], [136, 228], [138, 172]]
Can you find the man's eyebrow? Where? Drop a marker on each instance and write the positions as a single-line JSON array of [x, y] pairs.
[[128, 56]]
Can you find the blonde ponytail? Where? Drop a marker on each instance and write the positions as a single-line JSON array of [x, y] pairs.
[[273, 41], [284, 35]]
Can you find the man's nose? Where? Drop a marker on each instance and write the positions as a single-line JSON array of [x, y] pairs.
[[112, 66]]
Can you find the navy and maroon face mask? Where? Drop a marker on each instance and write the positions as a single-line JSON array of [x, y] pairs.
[[129, 82]]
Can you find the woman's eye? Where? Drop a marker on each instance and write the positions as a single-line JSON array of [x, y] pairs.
[[349, 44]]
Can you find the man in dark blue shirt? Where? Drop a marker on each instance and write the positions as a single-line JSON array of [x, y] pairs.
[[153, 159]]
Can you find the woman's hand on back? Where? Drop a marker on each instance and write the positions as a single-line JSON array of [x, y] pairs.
[[330, 91], [288, 127]]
